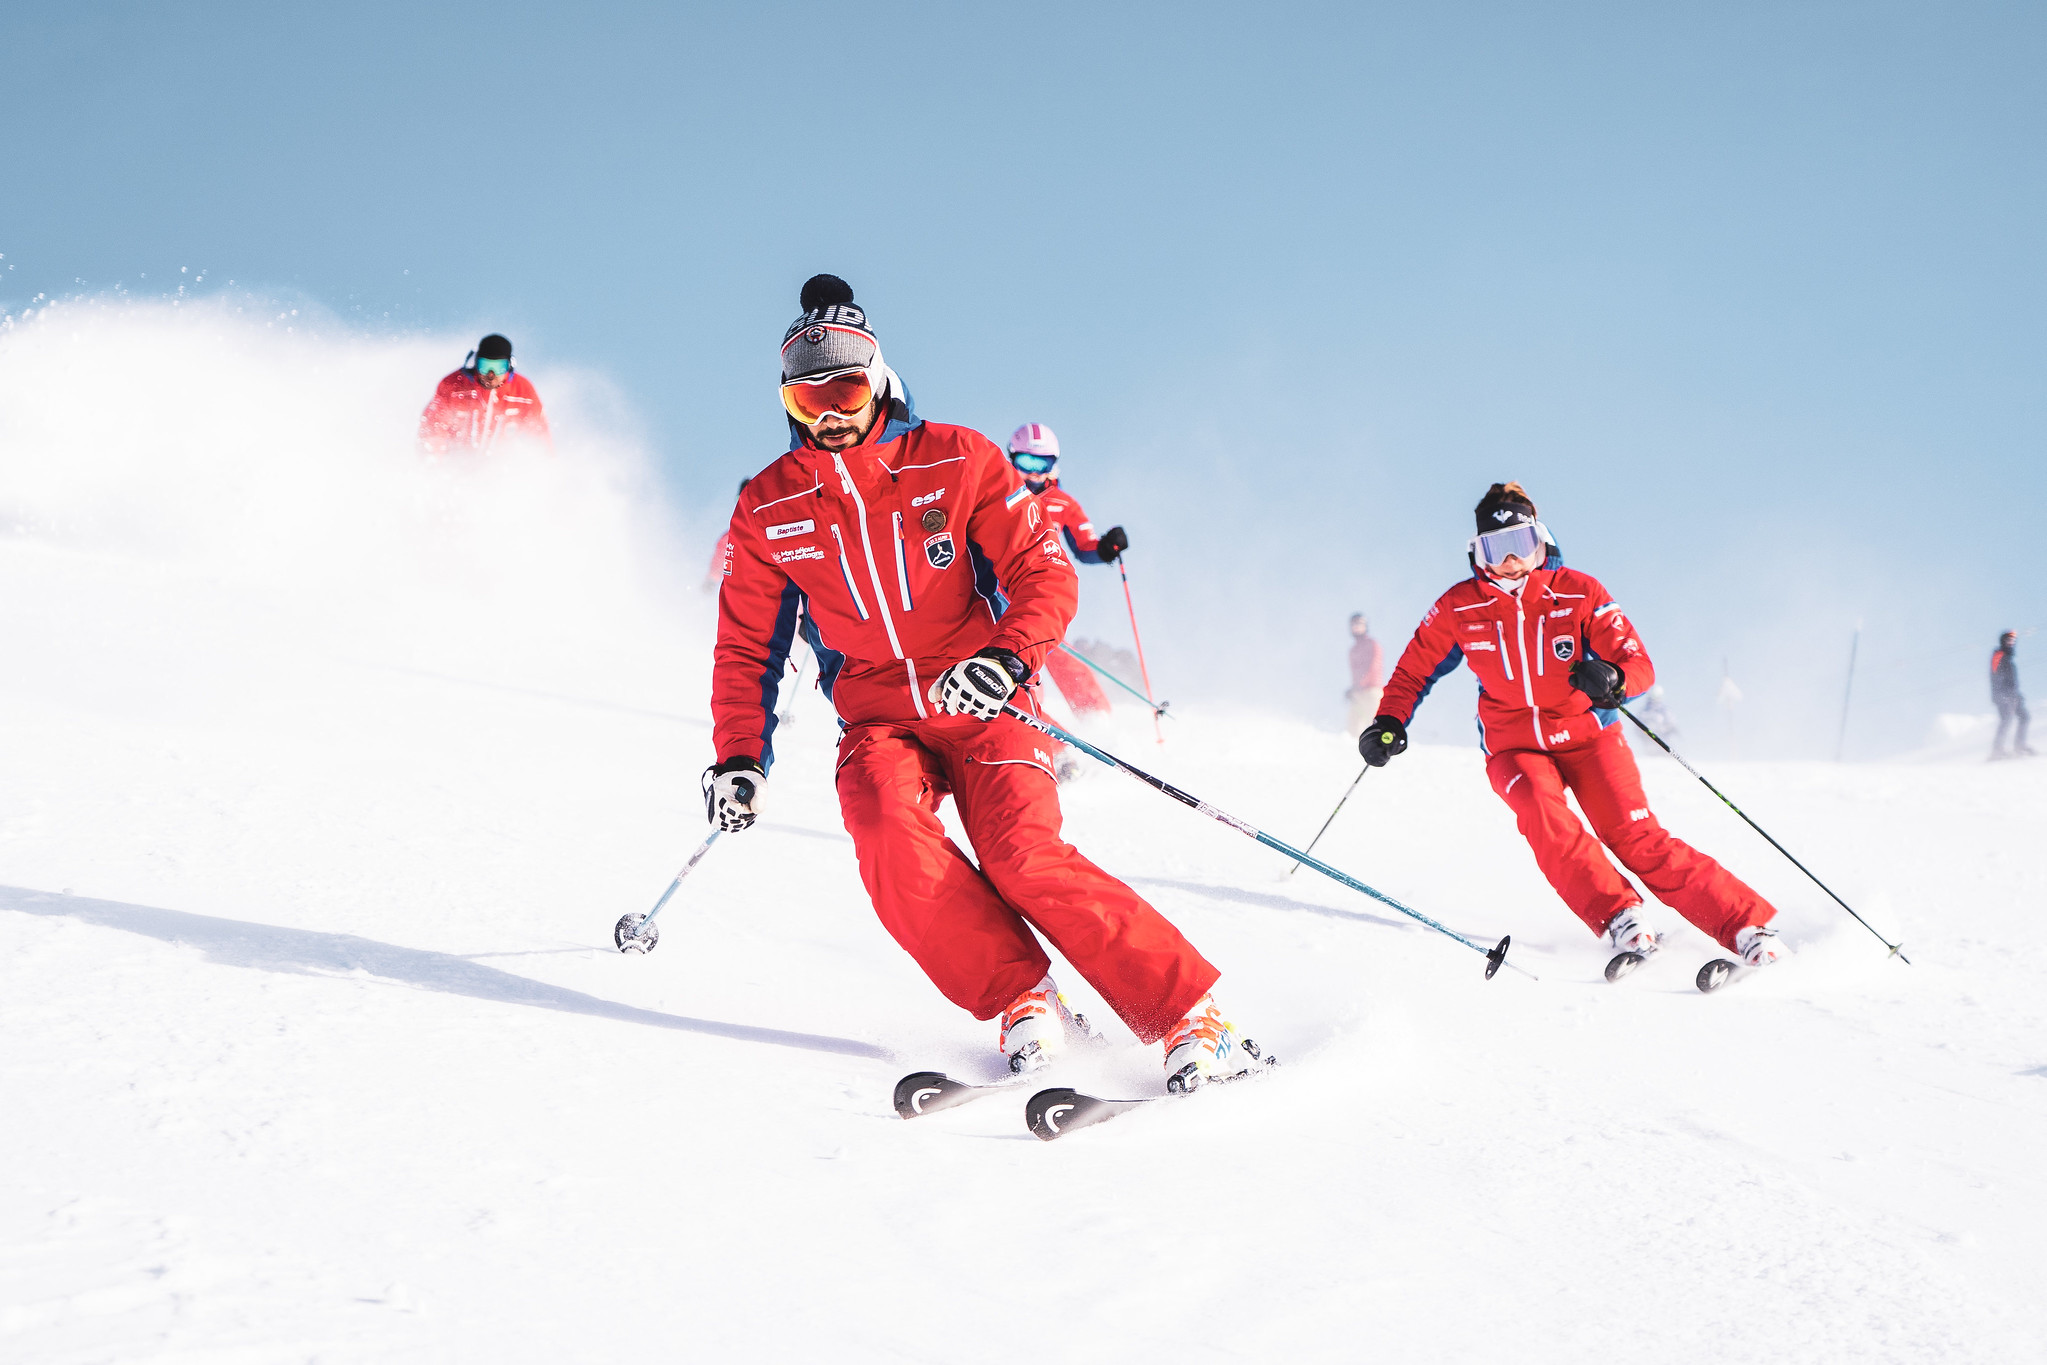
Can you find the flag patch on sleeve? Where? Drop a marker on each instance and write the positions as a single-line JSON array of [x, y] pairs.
[[1018, 496]]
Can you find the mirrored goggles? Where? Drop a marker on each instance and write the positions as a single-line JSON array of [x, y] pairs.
[[1494, 548], [1028, 463], [497, 367], [844, 394]]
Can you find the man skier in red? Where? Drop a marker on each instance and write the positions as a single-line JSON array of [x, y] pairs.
[[1034, 452], [482, 404], [930, 589], [1554, 656]]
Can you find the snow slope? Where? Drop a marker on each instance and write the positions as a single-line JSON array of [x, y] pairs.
[[315, 1048]]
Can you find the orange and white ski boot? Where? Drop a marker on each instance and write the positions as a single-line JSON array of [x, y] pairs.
[[1204, 1047], [1037, 1027]]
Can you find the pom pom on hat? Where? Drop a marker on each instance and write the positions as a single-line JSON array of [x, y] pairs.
[[822, 291]]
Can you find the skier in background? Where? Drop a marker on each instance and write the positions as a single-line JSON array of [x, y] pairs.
[[1034, 453], [876, 527], [2011, 703], [1554, 656], [483, 403], [1366, 675], [715, 575]]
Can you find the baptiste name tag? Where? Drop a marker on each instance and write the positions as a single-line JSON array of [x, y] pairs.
[[792, 528]]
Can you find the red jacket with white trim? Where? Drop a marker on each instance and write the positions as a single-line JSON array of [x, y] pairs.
[[901, 556], [1063, 510], [1522, 647], [464, 415]]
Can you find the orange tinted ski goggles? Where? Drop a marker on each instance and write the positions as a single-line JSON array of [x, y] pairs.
[[810, 401]]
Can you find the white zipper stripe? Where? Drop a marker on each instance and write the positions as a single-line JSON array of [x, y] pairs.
[[1505, 662], [846, 568], [1527, 683], [888, 622], [902, 569]]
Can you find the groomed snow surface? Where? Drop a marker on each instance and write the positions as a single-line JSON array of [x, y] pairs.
[[311, 842]]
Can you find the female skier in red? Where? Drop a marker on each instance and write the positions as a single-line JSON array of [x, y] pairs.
[[1554, 656]]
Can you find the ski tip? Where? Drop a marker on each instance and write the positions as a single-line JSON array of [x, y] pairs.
[[913, 1089], [1623, 963], [1715, 974], [1045, 1111], [1497, 956]]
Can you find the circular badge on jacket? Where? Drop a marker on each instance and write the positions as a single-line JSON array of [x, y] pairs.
[[934, 520]]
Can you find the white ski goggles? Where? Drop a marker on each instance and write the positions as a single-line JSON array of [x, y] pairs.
[[1493, 548]]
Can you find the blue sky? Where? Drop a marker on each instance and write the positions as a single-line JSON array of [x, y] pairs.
[[1749, 296]]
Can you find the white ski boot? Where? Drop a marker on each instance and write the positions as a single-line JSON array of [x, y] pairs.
[[1758, 946], [1204, 1047], [1037, 1027], [1627, 934]]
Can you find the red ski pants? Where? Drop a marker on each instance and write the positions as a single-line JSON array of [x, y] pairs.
[[970, 928], [1601, 773], [1076, 682]]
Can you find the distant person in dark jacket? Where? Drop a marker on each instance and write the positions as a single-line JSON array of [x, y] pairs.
[[2011, 703], [1367, 675]]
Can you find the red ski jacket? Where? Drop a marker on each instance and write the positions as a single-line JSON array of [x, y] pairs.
[[1522, 648], [1063, 511], [464, 415], [902, 556]]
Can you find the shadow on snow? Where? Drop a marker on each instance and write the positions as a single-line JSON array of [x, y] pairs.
[[274, 948]]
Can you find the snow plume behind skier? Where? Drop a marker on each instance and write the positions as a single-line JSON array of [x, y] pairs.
[[1554, 655], [930, 589], [332, 535]]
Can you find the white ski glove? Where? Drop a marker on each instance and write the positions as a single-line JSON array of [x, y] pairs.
[[979, 686], [732, 793]]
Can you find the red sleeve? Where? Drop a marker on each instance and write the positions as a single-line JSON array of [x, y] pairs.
[[1430, 656], [537, 419], [1032, 571], [436, 424], [1611, 636], [757, 609], [1080, 532]]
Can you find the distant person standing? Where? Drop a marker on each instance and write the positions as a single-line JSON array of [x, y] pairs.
[[2011, 703], [1367, 675], [482, 404]]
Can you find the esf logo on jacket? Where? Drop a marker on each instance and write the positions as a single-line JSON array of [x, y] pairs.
[[938, 550]]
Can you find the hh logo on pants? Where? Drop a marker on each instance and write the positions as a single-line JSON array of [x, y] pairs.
[[938, 549]]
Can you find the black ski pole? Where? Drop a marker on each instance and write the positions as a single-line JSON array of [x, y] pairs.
[[1332, 815], [1495, 957], [1897, 949]]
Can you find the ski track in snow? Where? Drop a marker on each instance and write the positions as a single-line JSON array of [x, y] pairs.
[[316, 1048]]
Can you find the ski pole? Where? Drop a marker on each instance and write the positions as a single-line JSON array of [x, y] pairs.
[[1897, 949], [636, 933], [1495, 958], [1158, 708], [1122, 567], [1332, 815]]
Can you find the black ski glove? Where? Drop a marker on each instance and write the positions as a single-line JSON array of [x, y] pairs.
[[1382, 739], [1598, 680], [1113, 542]]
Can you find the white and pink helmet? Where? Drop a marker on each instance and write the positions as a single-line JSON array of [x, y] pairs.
[[1034, 450]]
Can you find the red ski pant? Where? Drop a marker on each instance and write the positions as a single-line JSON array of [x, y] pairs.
[[1076, 682], [970, 928], [1601, 773]]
